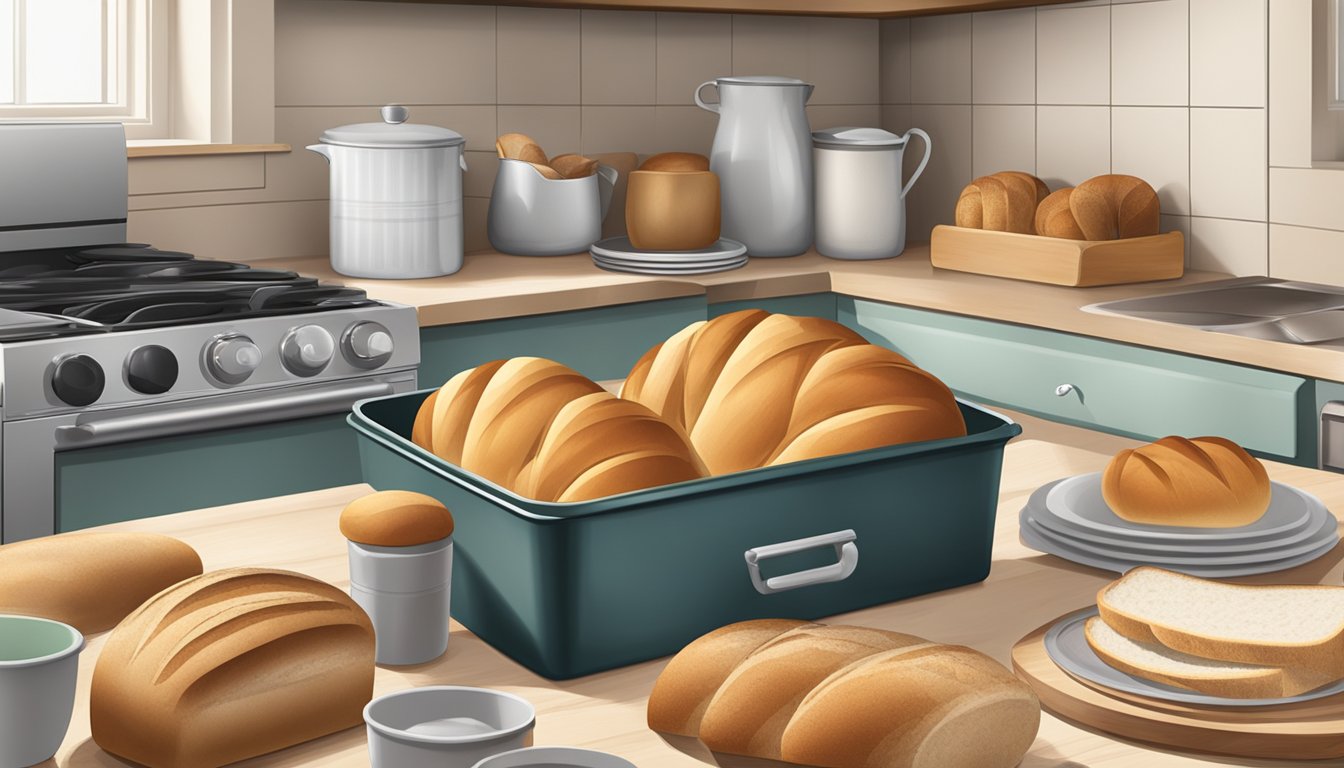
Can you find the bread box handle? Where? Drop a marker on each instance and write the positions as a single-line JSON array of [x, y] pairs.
[[846, 553]]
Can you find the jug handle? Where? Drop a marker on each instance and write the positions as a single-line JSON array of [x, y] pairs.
[[928, 150], [321, 149], [701, 103], [606, 178]]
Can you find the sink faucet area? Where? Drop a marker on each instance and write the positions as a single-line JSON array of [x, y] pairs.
[[1256, 307]]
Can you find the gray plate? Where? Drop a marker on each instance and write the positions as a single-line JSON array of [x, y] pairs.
[[1066, 644], [1077, 502], [650, 270], [621, 248], [1033, 540]]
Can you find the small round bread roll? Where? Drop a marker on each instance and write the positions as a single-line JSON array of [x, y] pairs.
[[1204, 482], [676, 162], [520, 146], [1055, 219], [1115, 206], [1001, 202], [396, 519]]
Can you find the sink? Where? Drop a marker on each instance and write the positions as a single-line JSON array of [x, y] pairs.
[[1258, 307]]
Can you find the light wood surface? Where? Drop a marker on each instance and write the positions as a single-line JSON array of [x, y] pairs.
[[1025, 590], [494, 285], [861, 8], [1075, 263], [183, 150]]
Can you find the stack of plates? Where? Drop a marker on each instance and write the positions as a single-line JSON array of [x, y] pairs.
[[618, 255], [1069, 519]]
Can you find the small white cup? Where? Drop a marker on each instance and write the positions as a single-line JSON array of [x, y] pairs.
[[445, 726], [39, 661], [406, 592]]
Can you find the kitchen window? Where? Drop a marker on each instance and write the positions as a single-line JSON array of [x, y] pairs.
[[86, 59]]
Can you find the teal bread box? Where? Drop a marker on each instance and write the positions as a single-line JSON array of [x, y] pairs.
[[572, 589]]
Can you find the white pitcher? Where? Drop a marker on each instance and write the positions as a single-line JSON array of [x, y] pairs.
[[763, 156], [860, 196]]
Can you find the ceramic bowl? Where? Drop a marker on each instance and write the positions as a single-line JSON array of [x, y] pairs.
[[446, 726], [39, 661], [554, 757]]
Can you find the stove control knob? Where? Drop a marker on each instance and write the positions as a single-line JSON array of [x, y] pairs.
[[232, 358], [307, 349], [78, 380], [367, 344], [151, 369]]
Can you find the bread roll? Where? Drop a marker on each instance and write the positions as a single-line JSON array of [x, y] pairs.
[[672, 210], [1206, 482], [519, 146], [90, 581], [572, 166], [1054, 218], [682, 692], [546, 171], [451, 409], [230, 665], [676, 162], [422, 429], [396, 519], [1114, 205], [922, 706], [1001, 202], [750, 711]]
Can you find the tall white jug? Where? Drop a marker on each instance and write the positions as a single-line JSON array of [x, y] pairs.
[[763, 157]]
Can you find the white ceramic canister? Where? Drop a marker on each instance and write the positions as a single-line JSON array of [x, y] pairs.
[[531, 215], [405, 591], [860, 199], [396, 197]]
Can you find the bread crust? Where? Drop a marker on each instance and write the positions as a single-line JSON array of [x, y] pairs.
[[1001, 202], [676, 162], [1054, 217], [396, 519], [1204, 482], [1115, 205]]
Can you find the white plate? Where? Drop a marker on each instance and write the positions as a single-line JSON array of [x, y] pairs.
[[621, 248], [667, 265], [1033, 540], [646, 270], [1077, 502], [1066, 644]]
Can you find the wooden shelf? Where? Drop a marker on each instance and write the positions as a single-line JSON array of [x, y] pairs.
[[185, 150], [853, 8]]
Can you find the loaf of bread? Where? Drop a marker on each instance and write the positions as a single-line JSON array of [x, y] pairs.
[[1001, 202], [396, 519], [90, 581], [231, 665], [844, 697], [790, 380], [548, 433], [1054, 217], [1115, 206], [1222, 639], [676, 162], [1205, 482]]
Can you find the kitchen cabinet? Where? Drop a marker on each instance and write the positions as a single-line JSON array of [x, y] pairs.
[[1128, 390], [859, 8], [809, 304]]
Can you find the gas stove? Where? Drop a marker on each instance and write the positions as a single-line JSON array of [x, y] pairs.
[[108, 343]]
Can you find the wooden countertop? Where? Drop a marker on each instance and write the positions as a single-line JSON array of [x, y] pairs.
[[494, 285], [606, 711]]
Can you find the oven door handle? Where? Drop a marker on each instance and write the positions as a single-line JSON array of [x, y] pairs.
[[211, 416]]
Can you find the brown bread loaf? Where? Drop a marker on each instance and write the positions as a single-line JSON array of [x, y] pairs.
[[396, 519], [231, 665], [1001, 202], [1205, 482], [1115, 206], [1054, 217], [90, 581], [676, 162]]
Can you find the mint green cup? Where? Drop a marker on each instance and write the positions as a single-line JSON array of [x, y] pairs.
[[39, 661]]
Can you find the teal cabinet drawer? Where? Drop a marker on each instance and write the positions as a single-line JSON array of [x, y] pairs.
[[1130, 390], [807, 304]]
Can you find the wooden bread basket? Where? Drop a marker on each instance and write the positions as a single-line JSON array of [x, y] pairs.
[[1077, 263]]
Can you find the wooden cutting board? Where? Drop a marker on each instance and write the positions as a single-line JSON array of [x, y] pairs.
[[1311, 730]]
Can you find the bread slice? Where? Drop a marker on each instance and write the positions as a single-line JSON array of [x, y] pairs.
[[1297, 627], [1160, 664]]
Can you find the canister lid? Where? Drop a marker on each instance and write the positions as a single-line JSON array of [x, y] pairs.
[[392, 132], [759, 80], [857, 138]]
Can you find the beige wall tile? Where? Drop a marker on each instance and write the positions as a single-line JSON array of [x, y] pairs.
[[538, 55], [166, 175], [940, 59], [1073, 144], [1228, 164], [620, 129], [1308, 197], [1150, 53], [1300, 253], [896, 118], [843, 60], [684, 129], [383, 53], [692, 48], [1290, 84], [271, 230], [1073, 60], [770, 45], [933, 199], [1225, 245], [894, 61], [474, 213], [1153, 143], [839, 115], [479, 179], [1178, 224], [1005, 139], [1004, 57], [557, 129], [618, 57], [1227, 53]]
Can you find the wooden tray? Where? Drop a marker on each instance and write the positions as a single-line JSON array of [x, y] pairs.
[[1077, 263], [1309, 730]]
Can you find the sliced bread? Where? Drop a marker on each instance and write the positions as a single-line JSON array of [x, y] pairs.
[[1301, 627]]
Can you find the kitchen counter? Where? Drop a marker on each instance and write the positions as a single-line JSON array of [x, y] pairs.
[[1025, 589], [494, 285]]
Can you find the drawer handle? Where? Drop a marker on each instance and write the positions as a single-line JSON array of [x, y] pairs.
[[1063, 389], [846, 553]]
